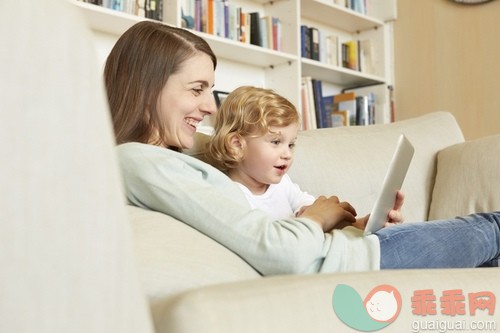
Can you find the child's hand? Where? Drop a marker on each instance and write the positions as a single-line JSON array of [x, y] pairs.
[[329, 212]]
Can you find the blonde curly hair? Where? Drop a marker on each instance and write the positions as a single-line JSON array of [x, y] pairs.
[[247, 112]]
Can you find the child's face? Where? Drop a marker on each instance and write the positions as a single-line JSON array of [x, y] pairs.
[[267, 158]]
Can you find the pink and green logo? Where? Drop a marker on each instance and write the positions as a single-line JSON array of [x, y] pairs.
[[379, 308]]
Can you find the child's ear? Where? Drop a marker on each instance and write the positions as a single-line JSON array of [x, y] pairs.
[[236, 141], [236, 146]]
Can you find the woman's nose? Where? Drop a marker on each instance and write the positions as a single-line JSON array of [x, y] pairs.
[[208, 105]]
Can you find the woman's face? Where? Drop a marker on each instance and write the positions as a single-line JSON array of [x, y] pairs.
[[186, 99]]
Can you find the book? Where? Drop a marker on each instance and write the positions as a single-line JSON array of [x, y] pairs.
[[305, 43], [197, 15], [340, 118], [243, 26], [362, 114], [328, 107], [352, 54], [204, 16], [366, 56], [238, 24], [233, 22], [255, 37], [219, 18], [336, 118], [332, 50], [226, 19], [210, 17], [307, 81], [304, 103], [346, 102], [314, 43], [187, 13], [267, 28], [321, 119], [263, 32], [322, 47], [378, 102], [276, 33]]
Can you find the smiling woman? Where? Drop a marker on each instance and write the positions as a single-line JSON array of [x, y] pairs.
[[159, 80]]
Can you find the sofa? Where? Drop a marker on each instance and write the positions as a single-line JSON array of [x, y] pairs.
[[186, 275], [76, 258]]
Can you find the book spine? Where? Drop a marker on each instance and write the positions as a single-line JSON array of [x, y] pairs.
[[226, 19], [314, 43], [255, 29], [276, 36], [304, 31]]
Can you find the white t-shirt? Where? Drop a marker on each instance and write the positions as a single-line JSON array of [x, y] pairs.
[[281, 200]]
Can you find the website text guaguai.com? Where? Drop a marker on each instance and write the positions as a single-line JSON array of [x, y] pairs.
[[443, 326]]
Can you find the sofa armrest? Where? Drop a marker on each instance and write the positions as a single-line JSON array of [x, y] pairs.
[[304, 303], [467, 179]]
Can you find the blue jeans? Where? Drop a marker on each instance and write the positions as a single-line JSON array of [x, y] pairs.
[[469, 241]]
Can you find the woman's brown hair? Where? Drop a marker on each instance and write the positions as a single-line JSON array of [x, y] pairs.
[[136, 71]]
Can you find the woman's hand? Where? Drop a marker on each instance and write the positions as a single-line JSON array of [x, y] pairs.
[[329, 213], [395, 216]]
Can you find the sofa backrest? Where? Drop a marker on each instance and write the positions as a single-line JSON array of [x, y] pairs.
[[67, 262], [351, 162]]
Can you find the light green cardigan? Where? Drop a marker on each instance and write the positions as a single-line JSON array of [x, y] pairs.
[[201, 196]]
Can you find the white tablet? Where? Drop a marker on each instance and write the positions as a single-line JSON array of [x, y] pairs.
[[393, 181]]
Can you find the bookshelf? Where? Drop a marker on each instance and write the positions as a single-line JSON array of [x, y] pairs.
[[244, 63]]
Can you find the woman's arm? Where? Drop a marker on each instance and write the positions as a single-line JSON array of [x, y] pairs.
[[206, 199]]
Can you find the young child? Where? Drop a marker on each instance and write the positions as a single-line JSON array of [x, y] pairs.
[[255, 133]]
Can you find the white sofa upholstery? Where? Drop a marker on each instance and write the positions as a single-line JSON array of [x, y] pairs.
[[66, 255], [187, 275], [75, 258]]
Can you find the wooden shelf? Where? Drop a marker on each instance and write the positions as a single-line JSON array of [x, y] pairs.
[[330, 14], [116, 23], [338, 75], [279, 70]]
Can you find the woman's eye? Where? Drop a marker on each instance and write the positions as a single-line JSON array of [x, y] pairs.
[[198, 90]]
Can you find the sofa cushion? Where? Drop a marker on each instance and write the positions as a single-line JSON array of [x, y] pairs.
[[351, 162], [173, 257], [467, 179]]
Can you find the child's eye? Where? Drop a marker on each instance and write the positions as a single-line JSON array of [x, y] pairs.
[[291, 145], [275, 142]]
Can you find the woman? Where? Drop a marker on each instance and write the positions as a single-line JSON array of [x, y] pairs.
[[159, 81]]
